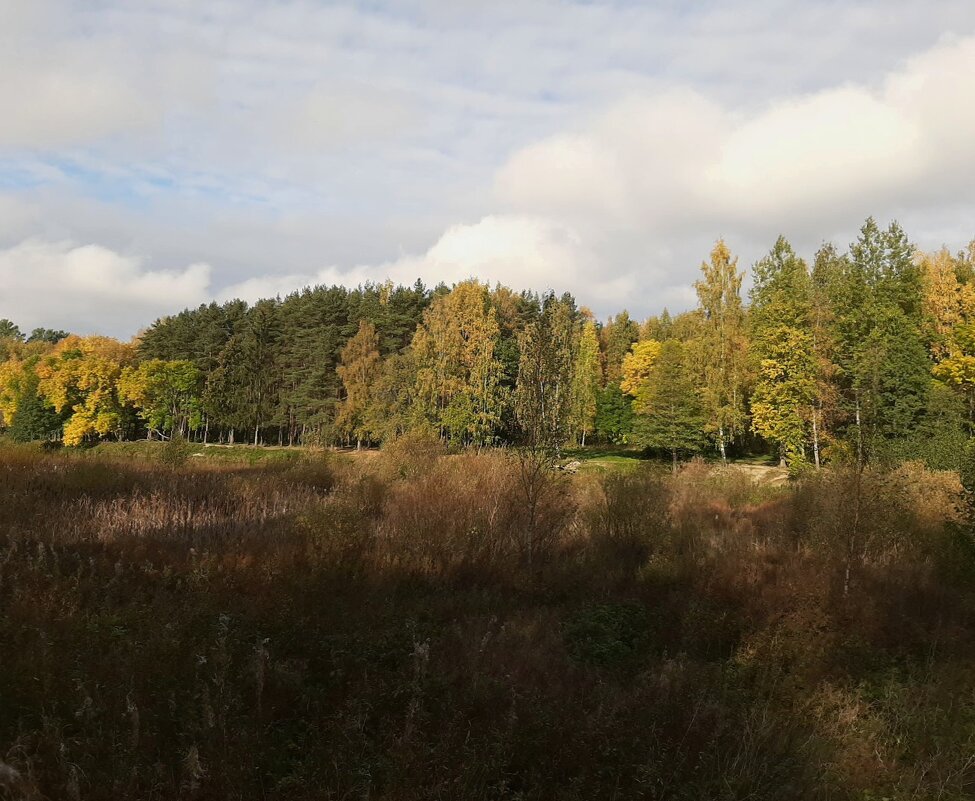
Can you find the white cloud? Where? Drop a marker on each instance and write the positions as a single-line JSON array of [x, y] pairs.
[[596, 147], [521, 252], [91, 289], [680, 159], [347, 114], [56, 90]]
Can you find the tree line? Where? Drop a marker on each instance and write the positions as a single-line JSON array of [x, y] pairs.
[[865, 354]]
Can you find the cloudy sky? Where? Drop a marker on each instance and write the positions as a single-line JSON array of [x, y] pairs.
[[158, 154]]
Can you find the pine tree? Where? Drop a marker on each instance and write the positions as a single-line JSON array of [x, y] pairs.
[[243, 390], [35, 419], [877, 300], [24, 412], [670, 417], [8, 330], [614, 414], [616, 338]]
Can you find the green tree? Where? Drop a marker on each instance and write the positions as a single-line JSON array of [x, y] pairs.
[[883, 365], [35, 418], [49, 335], [616, 338], [614, 414], [458, 377], [10, 331], [670, 417], [585, 382], [167, 394], [783, 350], [543, 396], [243, 391], [23, 411]]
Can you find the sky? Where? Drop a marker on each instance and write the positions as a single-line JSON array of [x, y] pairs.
[[161, 154]]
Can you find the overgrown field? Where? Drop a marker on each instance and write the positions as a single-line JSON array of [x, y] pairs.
[[417, 625]]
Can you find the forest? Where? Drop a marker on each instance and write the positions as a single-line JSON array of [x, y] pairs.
[[865, 354], [330, 546]]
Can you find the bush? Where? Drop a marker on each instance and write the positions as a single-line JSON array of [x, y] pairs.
[[607, 635], [412, 454], [175, 452]]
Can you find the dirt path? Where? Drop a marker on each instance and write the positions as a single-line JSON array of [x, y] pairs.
[[763, 474]]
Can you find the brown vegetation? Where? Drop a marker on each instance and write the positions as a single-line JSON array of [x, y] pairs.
[[329, 628]]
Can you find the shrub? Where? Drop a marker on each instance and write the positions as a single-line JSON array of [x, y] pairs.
[[607, 635], [175, 452]]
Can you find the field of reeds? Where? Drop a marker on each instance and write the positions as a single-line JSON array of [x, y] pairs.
[[418, 625]]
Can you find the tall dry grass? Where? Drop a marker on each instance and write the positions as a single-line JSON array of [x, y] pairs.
[[401, 627]]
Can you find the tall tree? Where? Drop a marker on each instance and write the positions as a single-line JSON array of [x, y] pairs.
[[722, 347], [637, 365], [49, 335], [543, 397], [877, 300], [943, 303], [585, 382], [783, 351], [614, 414], [9, 330], [458, 373], [357, 369], [167, 394], [784, 393], [828, 267], [616, 338], [670, 416], [957, 369], [392, 409], [243, 390]]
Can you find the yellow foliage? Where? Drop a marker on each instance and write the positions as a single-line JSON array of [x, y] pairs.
[[637, 365], [11, 375], [81, 374], [943, 299]]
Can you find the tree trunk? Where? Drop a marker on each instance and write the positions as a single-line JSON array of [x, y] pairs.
[[674, 454], [257, 430], [854, 531], [721, 445], [815, 433], [583, 438]]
